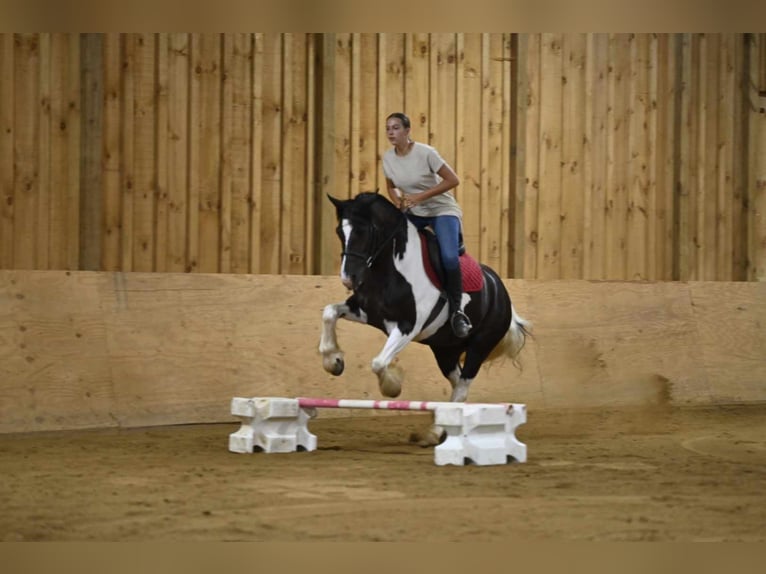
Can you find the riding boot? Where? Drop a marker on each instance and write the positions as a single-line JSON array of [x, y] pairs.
[[459, 322]]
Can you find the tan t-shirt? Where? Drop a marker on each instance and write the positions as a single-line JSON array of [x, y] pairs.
[[415, 173]]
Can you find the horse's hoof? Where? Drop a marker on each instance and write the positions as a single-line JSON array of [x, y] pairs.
[[338, 367], [334, 364], [390, 381], [433, 437]]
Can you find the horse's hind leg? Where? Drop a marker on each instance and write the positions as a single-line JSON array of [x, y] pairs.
[[448, 360], [460, 378]]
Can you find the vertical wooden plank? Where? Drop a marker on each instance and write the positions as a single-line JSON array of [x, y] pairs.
[[7, 164], [93, 164], [486, 208], [26, 150], [704, 172], [683, 198], [549, 254], [328, 258], [690, 168], [71, 128], [272, 162], [573, 198], [237, 152], [638, 168], [612, 124], [678, 139], [127, 146], [111, 249], [294, 155], [595, 155], [226, 150], [369, 121], [310, 183], [617, 157], [416, 80], [161, 144], [299, 123], [654, 211], [507, 174], [602, 109], [741, 167], [724, 216], [195, 135], [354, 128], [708, 199], [144, 153], [393, 45], [663, 135], [756, 212], [493, 218], [460, 113], [470, 168], [47, 198], [533, 114], [442, 127], [256, 154], [519, 95], [208, 166], [177, 152], [382, 143], [342, 144]]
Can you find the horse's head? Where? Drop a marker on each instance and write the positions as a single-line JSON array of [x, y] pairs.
[[367, 227]]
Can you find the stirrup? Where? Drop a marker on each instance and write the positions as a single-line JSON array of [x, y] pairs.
[[461, 324]]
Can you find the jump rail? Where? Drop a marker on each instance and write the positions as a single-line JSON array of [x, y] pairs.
[[307, 402], [478, 433]]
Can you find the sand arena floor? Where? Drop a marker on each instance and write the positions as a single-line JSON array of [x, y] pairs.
[[607, 474]]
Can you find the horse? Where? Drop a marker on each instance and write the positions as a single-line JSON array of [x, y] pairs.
[[385, 263]]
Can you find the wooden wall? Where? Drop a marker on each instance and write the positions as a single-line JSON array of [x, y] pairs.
[[617, 156], [641, 157], [94, 349]]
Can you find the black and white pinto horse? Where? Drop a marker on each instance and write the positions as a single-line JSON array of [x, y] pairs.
[[383, 264]]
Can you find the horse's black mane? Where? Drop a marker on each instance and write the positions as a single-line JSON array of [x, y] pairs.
[[370, 204]]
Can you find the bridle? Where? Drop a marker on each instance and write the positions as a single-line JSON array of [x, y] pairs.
[[370, 257]]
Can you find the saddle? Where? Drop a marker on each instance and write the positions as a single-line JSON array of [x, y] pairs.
[[473, 278]]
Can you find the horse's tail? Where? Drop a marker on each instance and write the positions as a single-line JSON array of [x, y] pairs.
[[511, 344]]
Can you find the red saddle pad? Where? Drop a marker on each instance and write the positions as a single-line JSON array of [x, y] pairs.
[[473, 278]]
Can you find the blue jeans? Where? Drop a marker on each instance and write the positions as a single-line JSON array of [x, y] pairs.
[[447, 229]]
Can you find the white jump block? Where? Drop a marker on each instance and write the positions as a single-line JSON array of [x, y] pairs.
[[483, 434], [478, 433], [270, 424]]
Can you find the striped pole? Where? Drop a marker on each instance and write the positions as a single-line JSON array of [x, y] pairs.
[[307, 402]]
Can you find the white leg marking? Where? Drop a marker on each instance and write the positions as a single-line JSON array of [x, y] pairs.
[[390, 377], [460, 391], [459, 395], [332, 355], [394, 344]]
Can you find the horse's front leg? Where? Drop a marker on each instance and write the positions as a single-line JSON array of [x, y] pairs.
[[390, 377], [332, 355]]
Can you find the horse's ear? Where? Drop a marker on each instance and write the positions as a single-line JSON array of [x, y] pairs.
[[338, 203]]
